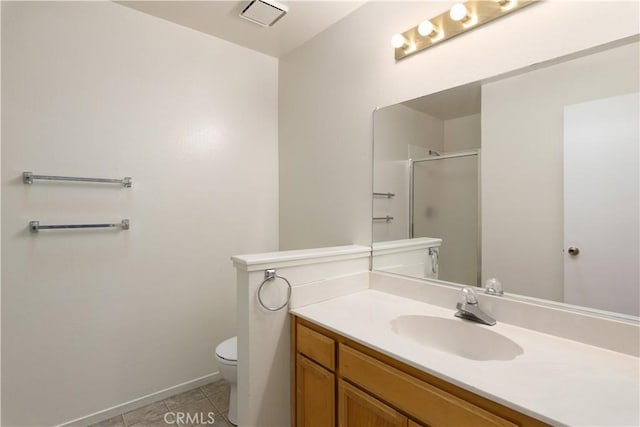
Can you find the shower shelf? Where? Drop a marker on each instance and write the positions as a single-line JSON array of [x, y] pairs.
[[387, 195]]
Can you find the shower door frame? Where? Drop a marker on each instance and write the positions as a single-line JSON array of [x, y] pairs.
[[444, 156]]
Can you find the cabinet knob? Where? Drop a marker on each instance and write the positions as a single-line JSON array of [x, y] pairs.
[[573, 251]]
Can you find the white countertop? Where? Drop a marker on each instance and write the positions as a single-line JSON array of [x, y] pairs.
[[556, 380], [253, 262], [300, 254], [415, 243]]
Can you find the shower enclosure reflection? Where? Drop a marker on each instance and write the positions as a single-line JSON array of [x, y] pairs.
[[427, 151], [443, 203]]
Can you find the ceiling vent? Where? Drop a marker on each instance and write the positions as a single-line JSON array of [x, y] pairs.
[[264, 12]]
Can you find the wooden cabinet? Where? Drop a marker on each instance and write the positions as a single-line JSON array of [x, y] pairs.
[[338, 382], [357, 409], [316, 346], [315, 394], [416, 397]]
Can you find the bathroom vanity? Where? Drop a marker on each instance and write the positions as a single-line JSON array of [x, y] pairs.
[[373, 358], [375, 389]]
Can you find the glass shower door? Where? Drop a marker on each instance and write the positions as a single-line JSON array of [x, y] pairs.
[[445, 196]]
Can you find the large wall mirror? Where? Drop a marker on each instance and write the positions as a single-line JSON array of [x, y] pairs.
[[530, 177]]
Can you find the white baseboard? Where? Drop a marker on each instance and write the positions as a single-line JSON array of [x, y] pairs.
[[105, 414]]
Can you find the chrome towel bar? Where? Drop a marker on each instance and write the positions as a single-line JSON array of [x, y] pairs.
[[29, 177], [383, 218], [34, 226]]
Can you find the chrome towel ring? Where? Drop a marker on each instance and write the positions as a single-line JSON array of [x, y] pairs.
[[270, 274]]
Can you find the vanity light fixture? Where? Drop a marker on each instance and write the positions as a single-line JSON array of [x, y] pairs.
[[506, 4], [399, 41], [427, 29], [460, 18], [459, 12]]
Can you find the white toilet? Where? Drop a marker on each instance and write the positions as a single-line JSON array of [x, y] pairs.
[[227, 359]]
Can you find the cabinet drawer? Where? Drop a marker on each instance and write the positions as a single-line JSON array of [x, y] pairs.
[[415, 397], [316, 346]]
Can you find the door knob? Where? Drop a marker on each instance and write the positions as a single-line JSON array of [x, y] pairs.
[[573, 251]]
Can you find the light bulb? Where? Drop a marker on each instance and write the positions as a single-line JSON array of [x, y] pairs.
[[398, 41], [426, 28], [459, 12]]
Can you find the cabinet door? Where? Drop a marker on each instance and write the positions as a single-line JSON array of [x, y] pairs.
[[357, 409], [315, 394]]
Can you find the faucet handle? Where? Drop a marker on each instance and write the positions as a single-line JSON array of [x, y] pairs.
[[469, 296], [493, 287]]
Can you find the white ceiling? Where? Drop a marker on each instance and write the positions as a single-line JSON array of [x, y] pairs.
[[221, 19], [449, 104]]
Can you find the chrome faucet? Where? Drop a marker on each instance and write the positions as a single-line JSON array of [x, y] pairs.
[[468, 308]]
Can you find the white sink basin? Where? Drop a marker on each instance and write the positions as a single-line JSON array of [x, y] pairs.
[[456, 336]]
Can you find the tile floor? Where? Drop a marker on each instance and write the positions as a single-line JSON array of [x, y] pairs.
[[199, 402]]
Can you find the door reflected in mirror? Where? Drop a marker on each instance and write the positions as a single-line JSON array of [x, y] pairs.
[[500, 178]]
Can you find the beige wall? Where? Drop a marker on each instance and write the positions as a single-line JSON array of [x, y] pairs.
[[522, 165], [329, 87], [462, 133], [94, 319], [1, 397]]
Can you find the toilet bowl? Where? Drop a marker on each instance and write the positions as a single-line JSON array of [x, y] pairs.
[[227, 360]]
